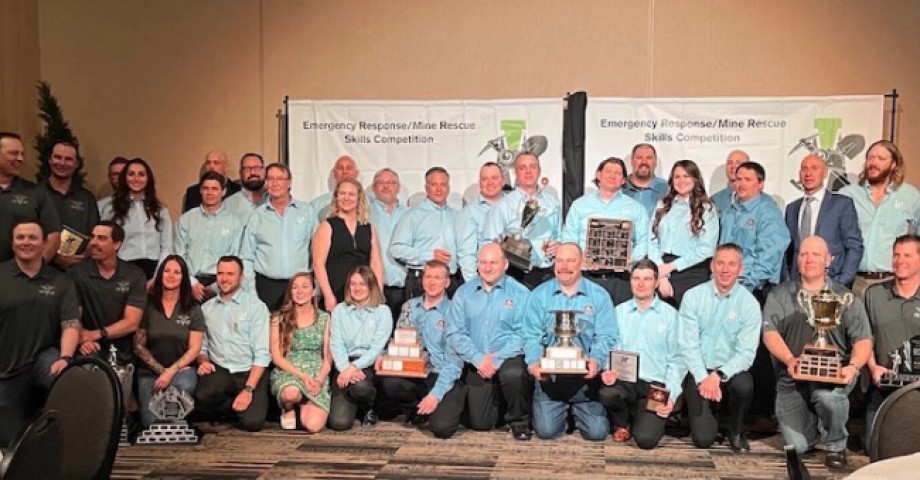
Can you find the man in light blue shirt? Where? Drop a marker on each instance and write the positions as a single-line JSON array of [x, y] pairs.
[[235, 353], [206, 233], [609, 202], [648, 327], [555, 395], [884, 205], [723, 198], [276, 242], [483, 327], [718, 338], [470, 219], [438, 399], [756, 224], [543, 232], [643, 185], [386, 212], [426, 232], [344, 167], [252, 193]]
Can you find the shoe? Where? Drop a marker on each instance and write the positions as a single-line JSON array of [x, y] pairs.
[[835, 460], [288, 420], [415, 419], [621, 435], [521, 432], [370, 418], [739, 443]]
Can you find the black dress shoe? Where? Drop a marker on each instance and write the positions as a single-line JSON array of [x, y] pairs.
[[370, 418], [835, 460], [739, 443], [521, 432]]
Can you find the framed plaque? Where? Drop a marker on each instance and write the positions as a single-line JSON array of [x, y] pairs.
[[72, 242], [608, 244], [658, 396], [627, 363]]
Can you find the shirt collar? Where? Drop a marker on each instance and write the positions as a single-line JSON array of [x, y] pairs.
[[731, 293], [655, 306], [818, 195], [597, 195], [892, 294], [499, 284], [580, 289], [382, 206], [630, 185], [236, 298], [434, 206], [441, 306], [43, 271]]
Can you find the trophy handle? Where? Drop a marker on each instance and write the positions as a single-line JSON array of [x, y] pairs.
[[844, 301]]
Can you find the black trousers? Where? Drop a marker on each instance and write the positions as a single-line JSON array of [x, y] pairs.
[[217, 391], [271, 291], [625, 403], [686, 279], [414, 283], [395, 298], [616, 284], [408, 392], [23, 393], [704, 414], [345, 401], [514, 396], [533, 278]]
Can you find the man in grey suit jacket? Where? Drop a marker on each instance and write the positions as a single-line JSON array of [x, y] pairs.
[[827, 215]]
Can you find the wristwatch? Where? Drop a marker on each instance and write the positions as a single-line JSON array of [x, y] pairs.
[[103, 334], [66, 358], [722, 376], [249, 388]]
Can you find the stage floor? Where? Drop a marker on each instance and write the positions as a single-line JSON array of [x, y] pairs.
[[391, 450]]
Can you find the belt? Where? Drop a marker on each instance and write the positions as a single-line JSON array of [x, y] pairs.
[[874, 275]]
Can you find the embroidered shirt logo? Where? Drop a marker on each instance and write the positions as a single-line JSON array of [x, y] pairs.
[[20, 199], [183, 320], [47, 290], [77, 205], [509, 303], [589, 310], [123, 286], [440, 324]]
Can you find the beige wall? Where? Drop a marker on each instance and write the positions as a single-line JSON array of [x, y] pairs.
[[168, 80], [19, 74]]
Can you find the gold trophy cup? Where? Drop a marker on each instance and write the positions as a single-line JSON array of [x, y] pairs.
[[820, 360]]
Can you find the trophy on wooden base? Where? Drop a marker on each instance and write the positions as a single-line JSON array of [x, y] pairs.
[[170, 406], [406, 356], [125, 374], [905, 365], [608, 244], [517, 248], [820, 360], [565, 357]]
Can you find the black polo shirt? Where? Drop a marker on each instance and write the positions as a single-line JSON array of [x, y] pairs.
[[193, 194], [33, 313], [167, 337], [23, 200], [893, 318], [104, 299], [76, 209]]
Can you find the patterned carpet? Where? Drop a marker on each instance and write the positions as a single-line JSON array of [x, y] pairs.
[[393, 451]]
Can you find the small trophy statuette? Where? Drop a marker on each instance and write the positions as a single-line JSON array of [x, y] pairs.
[[170, 406], [517, 247], [125, 375], [565, 357], [905, 365], [405, 356], [820, 360]]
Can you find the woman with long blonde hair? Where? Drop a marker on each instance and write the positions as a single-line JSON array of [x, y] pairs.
[[300, 351]]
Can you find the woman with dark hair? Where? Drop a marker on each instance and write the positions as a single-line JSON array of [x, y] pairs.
[[169, 338], [300, 352], [343, 241], [685, 231], [361, 326], [148, 227]]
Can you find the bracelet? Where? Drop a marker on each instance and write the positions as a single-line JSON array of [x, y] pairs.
[[66, 358], [103, 334]]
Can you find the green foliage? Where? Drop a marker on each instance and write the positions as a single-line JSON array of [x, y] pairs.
[[56, 130]]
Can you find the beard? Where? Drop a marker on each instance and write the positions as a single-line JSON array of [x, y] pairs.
[[644, 172], [880, 176], [254, 185]]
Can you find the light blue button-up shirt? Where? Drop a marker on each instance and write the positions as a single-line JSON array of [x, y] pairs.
[[620, 207], [358, 335], [758, 227], [881, 225], [469, 229], [432, 327], [278, 246], [716, 332], [236, 336], [482, 321], [202, 238], [676, 237], [142, 239], [385, 222], [723, 199], [322, 205], [504, 218], [652, 333], [241, 205], [647, 196], [596, 320], [424, 228]]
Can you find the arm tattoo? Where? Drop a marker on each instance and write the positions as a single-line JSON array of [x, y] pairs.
[[140, 348]]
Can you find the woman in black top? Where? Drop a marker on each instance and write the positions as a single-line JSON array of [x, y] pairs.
[[170, 335]]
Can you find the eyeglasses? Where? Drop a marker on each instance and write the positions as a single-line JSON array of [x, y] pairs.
[[387, 183], [252, 169], [276, 179]]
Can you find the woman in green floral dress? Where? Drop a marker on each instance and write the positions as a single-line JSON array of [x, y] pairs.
[[300, 352]]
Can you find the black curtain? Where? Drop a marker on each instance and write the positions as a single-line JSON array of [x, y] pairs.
[[573, 149]]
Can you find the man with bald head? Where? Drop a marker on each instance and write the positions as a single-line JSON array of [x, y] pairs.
[[801, 404], [828, 215], [723, 198], [344, 167], [214, 161]]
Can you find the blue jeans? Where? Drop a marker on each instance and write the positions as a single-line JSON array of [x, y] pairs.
[[551, 402], [185, 380], [806, 411]]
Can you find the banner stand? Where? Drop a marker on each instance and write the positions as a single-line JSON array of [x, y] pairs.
[[893, 123]]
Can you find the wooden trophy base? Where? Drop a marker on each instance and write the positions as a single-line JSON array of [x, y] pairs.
[[819, 365], [563, 361], [409, 367]]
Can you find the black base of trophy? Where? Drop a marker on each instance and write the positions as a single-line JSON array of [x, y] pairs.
[[518, 253], [897, 380], [162, 433]]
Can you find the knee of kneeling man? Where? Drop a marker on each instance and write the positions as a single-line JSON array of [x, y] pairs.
[[646, 443], [251, 425], [702, 441]]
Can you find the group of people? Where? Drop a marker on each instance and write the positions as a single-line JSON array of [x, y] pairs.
[[254, 296]]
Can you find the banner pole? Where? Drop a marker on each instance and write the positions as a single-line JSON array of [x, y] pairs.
[[283, 140], [894, 113]]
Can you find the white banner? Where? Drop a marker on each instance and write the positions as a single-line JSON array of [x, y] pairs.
[[776, 132], [412, 136]]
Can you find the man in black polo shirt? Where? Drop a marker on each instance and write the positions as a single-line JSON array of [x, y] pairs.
[[75, 206], [19, 199], [113, 295], [38, 312], [214, 161]]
